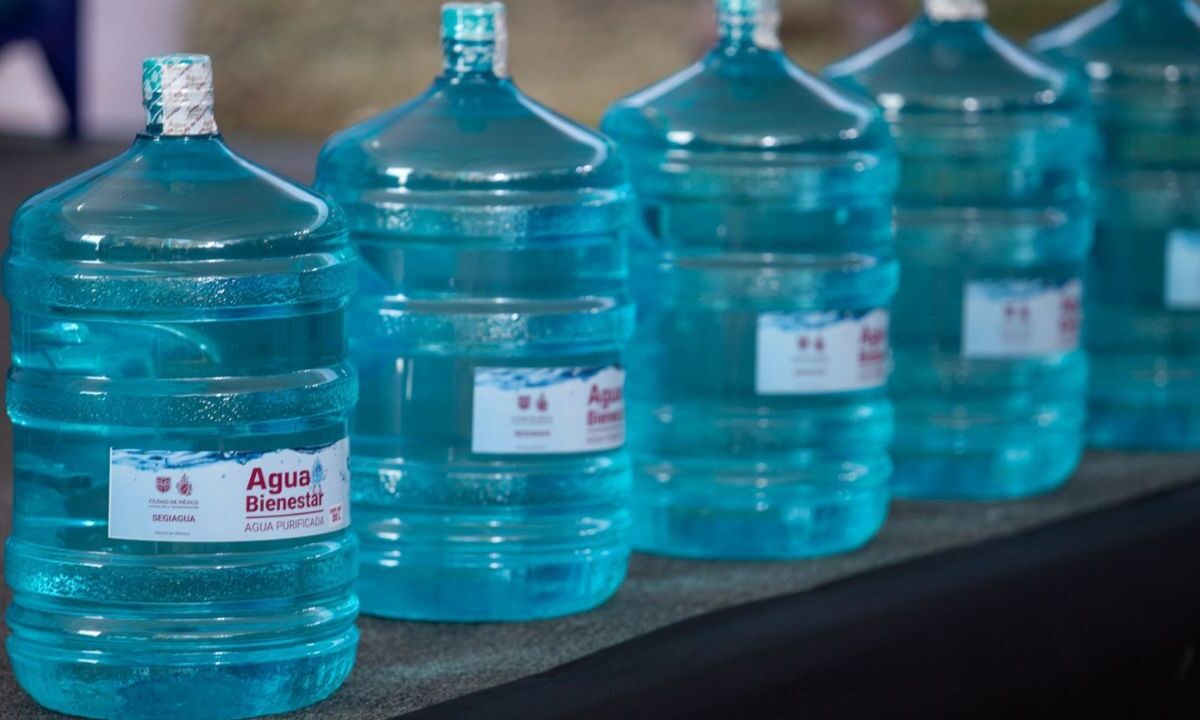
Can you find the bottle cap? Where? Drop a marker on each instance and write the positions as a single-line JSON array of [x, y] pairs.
[[177, 91], [956, 10], [758, 19], [475, 37]]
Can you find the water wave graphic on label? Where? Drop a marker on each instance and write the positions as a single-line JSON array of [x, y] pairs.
[[529, 378], [160, 460]]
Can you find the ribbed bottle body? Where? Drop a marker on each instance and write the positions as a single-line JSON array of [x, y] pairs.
[[1143, 60], [990, 376], [737, 457], [490, 475], [994, 227], [764, 270]]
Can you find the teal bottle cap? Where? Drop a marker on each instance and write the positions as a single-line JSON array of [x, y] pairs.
[[473, 21], [757, 20], [747, 8], [475, 37]]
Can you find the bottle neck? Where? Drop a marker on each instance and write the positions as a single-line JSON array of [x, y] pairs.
[[474, 41], [941, 11], [177, 92], [748, 25]]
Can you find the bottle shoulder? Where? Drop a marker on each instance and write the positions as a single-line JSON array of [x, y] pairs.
[[176, 198], [956, 66], [758, 102], [1119, 40], [467, 136]]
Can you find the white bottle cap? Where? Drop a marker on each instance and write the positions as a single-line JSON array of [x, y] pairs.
[[956, 10], [177, 91]]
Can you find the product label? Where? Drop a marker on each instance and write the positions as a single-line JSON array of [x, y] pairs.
[[542, 411], [1021, 318], [1183, 270], [829, 352], [181, 496]]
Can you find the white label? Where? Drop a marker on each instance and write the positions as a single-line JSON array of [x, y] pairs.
[[541, 411], [1183, 270], [1021, 318], [830, 352], [181, 496]]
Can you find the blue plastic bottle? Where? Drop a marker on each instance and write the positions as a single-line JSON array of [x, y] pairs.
[[1143, 60], [491, 481], [180, 394], [994, 229], [764, 272]]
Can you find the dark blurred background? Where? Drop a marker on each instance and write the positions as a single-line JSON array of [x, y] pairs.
[[304, 68]]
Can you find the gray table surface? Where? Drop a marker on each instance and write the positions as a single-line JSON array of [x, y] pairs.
[[405, 666]]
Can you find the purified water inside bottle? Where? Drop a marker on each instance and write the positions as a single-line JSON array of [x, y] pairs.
[[994, 228], [180, 395], [489, 329], [764, 273]]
